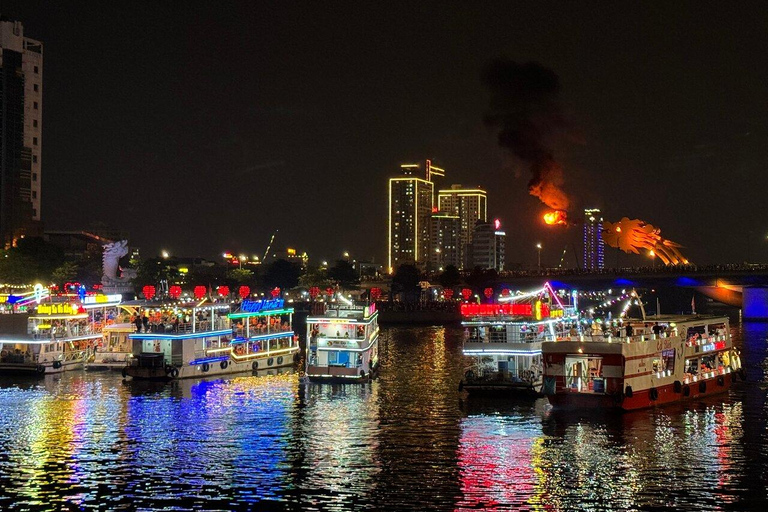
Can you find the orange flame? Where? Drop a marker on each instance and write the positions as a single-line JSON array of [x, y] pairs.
[[556, 217]]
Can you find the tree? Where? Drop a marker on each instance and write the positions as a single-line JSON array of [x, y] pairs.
[[32, 260], [64, 273], [406, 281], [343, 273], [314, 276], [450, 277], [282, 274], [241, 276]]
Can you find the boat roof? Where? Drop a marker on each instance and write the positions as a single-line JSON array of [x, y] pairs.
[[678, 319]]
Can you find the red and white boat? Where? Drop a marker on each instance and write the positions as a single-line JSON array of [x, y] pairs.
[[667, 359]]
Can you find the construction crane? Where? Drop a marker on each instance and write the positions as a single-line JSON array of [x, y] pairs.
[[269, 246]]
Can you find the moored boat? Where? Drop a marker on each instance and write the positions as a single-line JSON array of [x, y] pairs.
[[58, 338], [504, 340], [208, 340], [664, 359], [343, 343]]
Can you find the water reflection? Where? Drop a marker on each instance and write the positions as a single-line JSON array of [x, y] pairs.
[[408, 441]]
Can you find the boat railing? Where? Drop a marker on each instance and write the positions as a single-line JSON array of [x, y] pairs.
[[610, 338], [242, 332], [522, 339], [217, 324]]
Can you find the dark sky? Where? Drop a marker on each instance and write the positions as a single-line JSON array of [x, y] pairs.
[[200, 128]]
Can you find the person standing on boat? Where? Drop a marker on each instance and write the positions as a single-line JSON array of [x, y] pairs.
[[145, 322], [630, 331], [137, 322]]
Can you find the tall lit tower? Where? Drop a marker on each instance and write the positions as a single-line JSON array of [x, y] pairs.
[[21, 109], [470, 205], [593, 239], [411, 200]]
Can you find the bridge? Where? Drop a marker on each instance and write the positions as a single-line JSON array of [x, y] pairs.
[[744, 286]]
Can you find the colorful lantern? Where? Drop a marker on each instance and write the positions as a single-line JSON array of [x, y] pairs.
[[148, 291], [488, 292], [329, 290], [466, 293], [448, 294], [314, 292], [199, 292], [244, 291], [174, 291], [505, 292], [275, 292], [223, 291], [375, 294]]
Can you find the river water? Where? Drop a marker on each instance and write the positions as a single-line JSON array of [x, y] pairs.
[[409, 441]]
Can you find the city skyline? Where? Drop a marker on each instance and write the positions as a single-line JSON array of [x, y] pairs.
[[667, 149]]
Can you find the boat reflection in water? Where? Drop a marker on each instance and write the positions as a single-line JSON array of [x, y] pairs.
[[407, 441], [681, 458]]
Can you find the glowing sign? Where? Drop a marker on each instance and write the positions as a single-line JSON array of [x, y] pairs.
[[502, 310], [102, 299], [254, 306], [496, 224], [369, 310], [57, 309]]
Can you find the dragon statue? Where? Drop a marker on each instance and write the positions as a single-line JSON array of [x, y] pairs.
[[632, 235], [113, 251]]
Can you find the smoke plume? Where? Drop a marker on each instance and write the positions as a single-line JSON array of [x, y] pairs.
[[524, 107]]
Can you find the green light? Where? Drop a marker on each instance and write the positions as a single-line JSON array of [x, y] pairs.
[[261, 313]]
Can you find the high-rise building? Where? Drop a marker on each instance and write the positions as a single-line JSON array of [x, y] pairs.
[[470, 205], [488, 248], [21, 108], [593, 240], [411, 200], [444, 234]]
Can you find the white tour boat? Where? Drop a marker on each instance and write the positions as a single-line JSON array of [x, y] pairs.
[[504, 340], [59, 338], [664, 359], [207, 340], [343, 343]]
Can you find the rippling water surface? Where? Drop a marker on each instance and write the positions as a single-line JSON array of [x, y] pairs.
[[409, 441]]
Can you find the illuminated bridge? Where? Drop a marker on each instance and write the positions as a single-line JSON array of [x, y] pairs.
[[744, 286]]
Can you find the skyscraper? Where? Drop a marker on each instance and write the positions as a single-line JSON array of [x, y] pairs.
[[21, 107], [488, 245], [411, 200], [470, 205], [444, 246], [593, 240]]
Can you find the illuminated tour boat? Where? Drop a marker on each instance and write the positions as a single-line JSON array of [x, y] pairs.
[[662, 359], [113, 349], [60, 336], [343, 343], [208, 340], [504, 341]]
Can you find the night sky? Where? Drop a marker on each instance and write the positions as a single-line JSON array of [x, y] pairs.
[[201, 128]]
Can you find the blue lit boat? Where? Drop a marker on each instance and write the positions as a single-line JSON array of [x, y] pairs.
[[214, 341], [343, 343]]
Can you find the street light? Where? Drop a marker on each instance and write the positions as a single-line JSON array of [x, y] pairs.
[[165, 254], [241, 259], [538, 248], [346, 254]]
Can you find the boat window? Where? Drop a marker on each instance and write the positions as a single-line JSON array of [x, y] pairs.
[[584, 374], [498, 334], [665, 363], [709, 363]]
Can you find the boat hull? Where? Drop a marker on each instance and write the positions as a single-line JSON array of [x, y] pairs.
[[215, 369], [641, 399], [38, 369]]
